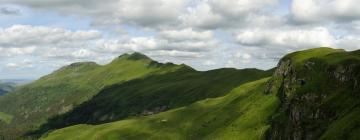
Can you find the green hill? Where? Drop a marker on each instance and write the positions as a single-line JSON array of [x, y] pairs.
[[129, 81], [241, 114], [155, 94], [313, 94], [57, 93]]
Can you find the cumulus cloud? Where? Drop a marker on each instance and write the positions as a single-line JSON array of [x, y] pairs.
[[203, 33], [149, 12], [238, 8], [26, 63], [290, 39], [213, 14], [69, 53], [309, 11], [140, 12], [201, 16], [349, 42], [11, 52], [83, 7], [207, 14], [9, 11], [37, 36], [186, 34], [46, 42], [185, 42], [12, 65]]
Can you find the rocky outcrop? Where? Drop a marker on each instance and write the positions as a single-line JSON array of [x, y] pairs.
[[153, 111], [304, 91]]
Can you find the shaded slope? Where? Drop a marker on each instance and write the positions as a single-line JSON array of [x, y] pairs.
[[32, 104], [241, 114], [155, 94], [319, 92]]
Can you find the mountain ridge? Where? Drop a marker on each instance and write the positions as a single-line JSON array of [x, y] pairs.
[[64, 89], [313, 94]]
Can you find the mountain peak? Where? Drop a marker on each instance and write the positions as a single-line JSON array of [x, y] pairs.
[[134, 56], [125, 55], [138, 56]]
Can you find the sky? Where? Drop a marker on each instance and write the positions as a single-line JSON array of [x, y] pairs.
[[40, 36]]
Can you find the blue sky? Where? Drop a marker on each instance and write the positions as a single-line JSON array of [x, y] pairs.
[[38, 37]]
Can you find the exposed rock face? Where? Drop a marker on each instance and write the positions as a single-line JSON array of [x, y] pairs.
[[304, 91], [346, 74], [153, 111]]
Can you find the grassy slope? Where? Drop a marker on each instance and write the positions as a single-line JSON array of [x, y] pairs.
[[325, 106], [5, 118], [328, 105], [32, 105], [241, 114], [169, 90], [345, 101], [59, 92]]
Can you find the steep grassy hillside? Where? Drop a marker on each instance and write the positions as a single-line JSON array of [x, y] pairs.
[[319, 92], [154, 94], [241, 114], [32, 104]]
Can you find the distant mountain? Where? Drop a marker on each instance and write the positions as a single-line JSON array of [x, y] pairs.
[[8, 85], [57, 93], [6, 88], [313, 94], [133, 82], [16, 81]]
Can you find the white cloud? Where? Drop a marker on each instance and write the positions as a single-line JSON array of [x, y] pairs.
[[9, 11], [239, 8], [68, 53], [203, 33], [176, 53], [149, 12], [213, 14], [187, 35], [40, 36], [245, 56], [209, 63], [308, 11], [11, 65], [207, 14], [201, 16], [129, 44], [139, 12], [349, 42], [47, 43], [290, 38], [26, 63], [172, 43], [12, 52]]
